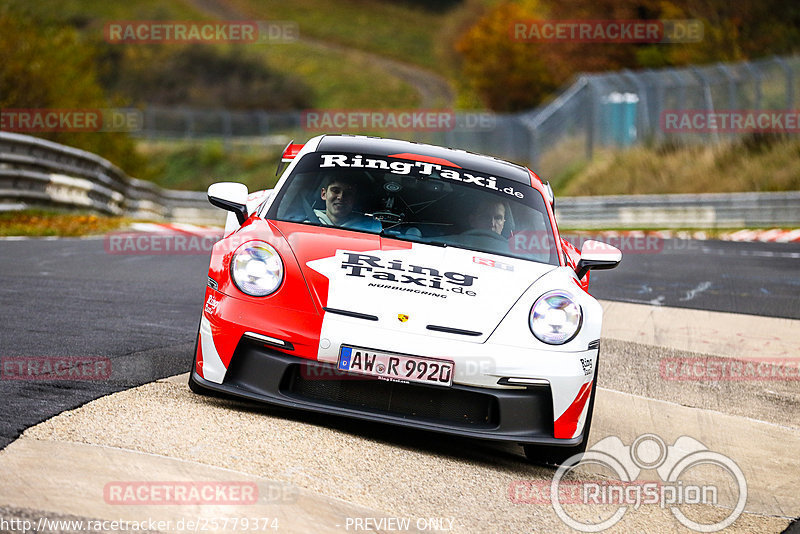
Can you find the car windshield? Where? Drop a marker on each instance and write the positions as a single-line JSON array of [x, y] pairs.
[[420, 201]]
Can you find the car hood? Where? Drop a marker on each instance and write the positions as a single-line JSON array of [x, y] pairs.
[[413, 287]]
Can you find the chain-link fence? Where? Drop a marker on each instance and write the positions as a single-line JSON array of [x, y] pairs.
[[618, 109], [696, 104]]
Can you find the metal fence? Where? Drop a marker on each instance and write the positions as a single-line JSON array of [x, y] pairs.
[[616, 109], [625, 108], [38, 172]]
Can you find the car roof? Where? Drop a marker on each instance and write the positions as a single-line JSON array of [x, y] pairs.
[[384, 147]]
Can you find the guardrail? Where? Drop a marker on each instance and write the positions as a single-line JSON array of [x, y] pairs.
[[34, 171], [708, 210]]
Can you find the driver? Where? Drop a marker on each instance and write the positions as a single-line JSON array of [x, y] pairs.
[[339, 194], [490, 216]]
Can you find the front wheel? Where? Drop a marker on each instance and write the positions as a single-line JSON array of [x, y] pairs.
[[554, 455]]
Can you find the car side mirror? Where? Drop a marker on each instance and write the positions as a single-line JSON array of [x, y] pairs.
[[230, 196], [597, 255]]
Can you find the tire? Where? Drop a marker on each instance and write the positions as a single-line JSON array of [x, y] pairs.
[[555, 455]]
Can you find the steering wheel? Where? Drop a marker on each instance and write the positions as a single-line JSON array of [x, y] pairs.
[[480, 232]]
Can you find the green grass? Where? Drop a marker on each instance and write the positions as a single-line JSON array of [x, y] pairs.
[[196, 165], [338, 78], [41, 222], [753, 164], [92, 14], [392, 29], [341, 79]]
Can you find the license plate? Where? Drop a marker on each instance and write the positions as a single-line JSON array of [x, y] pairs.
[[396, 367]]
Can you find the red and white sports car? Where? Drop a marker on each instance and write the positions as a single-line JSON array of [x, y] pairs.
[[408, 284]]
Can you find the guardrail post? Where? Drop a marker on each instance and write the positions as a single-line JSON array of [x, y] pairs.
[[709, 102], [592, 119], [789, 82], [643, 108], [756, 74], [227, 129]]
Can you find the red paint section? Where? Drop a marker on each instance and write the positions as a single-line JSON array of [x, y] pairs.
[[294, 312], [309, 243], [426, 159], [291, 151], [566, 425], [573, 256]]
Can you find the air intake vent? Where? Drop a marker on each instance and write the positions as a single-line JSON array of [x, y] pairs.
[[449, 405], [449, 330]]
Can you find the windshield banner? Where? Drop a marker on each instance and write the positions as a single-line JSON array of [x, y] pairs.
[[422, 169]]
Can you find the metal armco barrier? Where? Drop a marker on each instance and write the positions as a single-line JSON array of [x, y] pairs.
[[37, 172], [709, 210]]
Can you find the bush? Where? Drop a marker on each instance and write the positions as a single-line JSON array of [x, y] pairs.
[[45, 67], [200, 75]]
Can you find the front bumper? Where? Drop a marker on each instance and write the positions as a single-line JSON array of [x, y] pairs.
[[521, 415]]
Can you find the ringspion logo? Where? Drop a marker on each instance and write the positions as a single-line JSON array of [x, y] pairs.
[[684, 469]]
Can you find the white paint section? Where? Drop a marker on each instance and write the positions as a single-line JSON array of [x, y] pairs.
[[499, 310], [442, 286], [213, 368]]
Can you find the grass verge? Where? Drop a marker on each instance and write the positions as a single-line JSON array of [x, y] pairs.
[[193, 166], [393, 29], [42, 223], [755, 163]]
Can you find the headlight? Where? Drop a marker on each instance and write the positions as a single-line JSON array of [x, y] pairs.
[[257, 269], [555, 318]]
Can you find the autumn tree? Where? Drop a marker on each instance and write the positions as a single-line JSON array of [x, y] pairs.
[[514, 74], [51, 67]]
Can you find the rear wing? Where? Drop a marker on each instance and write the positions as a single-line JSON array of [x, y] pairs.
[[289, 153]]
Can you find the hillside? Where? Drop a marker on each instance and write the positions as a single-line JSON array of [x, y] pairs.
[[377, 64]]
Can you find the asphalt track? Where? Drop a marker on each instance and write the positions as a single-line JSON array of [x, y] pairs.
[[69, 297]]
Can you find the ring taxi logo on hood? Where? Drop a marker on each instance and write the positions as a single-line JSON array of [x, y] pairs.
[[423, 168], [394, 270]]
